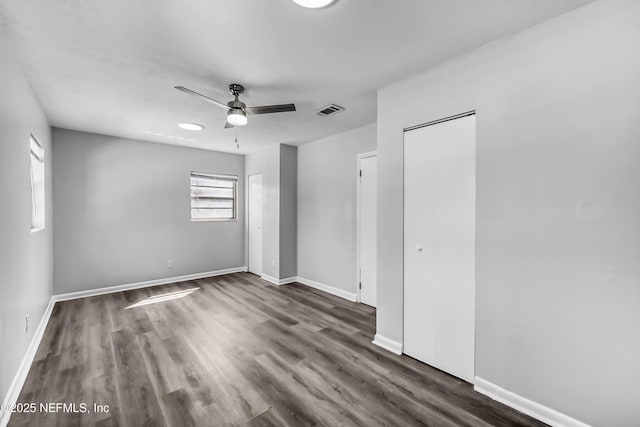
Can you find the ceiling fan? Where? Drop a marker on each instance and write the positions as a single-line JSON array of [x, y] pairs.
[[237, 110]]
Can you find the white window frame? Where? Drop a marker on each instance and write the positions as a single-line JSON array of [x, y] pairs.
[[38, 184], [232, 178]]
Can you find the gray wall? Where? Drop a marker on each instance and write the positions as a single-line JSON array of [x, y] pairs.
[[26, 259], [267, 162], [123, 211], [327, 204], [288, 210], [278, 166], [558, 235]]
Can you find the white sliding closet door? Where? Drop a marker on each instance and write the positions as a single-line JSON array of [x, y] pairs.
[[439, 245]]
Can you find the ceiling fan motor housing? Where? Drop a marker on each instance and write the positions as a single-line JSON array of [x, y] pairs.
[[236, 104]]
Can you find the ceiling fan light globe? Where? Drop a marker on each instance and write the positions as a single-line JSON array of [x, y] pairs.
[[236, 117]]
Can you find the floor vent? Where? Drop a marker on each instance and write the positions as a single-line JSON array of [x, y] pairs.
[[329, 109]]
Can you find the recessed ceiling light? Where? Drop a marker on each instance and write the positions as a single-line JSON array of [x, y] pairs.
[[314, 4], [190, 126]]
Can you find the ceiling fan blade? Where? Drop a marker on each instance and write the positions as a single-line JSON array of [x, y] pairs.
[[267, 109], [228, 125], [206, 98]]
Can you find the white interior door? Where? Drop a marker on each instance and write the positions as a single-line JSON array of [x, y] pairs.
[[368, 232], [439, 245], [255, 224]]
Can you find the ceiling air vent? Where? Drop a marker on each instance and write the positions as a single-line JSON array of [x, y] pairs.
[[329, 110]]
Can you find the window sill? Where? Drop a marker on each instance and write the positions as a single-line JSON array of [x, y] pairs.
[[214, 220]]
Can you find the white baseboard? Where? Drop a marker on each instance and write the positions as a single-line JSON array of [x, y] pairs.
[[270, 279], [387, 344], [278, 282], [23, 370], [316, 285], [146, 284], [524, 405], [328, 289]]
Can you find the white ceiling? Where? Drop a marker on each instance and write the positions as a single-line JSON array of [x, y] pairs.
[[110, 66]]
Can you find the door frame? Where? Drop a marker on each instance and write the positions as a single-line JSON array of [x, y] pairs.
[[360, 157]]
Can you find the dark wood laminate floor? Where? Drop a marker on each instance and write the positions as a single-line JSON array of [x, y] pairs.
[[238, 351]]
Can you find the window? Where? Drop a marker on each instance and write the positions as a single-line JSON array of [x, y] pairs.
[[213, 197], [37, 185]]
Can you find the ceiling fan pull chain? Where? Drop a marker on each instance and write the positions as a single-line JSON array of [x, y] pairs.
[[237, 144]]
